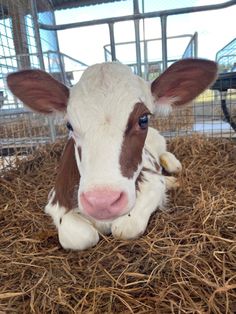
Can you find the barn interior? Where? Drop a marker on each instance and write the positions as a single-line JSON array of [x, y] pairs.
[[185, 262]]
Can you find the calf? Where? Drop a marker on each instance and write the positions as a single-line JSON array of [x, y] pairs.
[[109, 179]]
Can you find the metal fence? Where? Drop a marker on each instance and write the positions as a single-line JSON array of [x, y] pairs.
[[21, 130], [29, 40], [151, 64], [206, 115], [226, 57], [23, 45]]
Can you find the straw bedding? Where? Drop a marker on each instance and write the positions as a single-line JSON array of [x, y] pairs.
[[185, 262], [30, 126], [181, 119]]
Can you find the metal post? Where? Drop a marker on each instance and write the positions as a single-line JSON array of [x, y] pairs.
[[37, 33], [195, 38], [60, 57], [62, 67], [112, 41], [19, 34], [137, 39], [145, 60], [41, 61], [145, 46], [164, 42]]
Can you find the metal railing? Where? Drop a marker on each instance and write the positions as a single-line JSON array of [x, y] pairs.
[[226, 57], [136, 17], [191, 51]]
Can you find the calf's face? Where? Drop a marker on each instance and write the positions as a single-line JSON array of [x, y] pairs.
[[107, 113]]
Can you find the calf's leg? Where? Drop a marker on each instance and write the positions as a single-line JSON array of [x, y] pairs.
[[74, 231], [151, 195]]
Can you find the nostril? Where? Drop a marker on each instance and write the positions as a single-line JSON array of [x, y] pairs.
[[121, 197]]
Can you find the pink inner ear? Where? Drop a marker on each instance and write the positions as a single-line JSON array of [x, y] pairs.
[[39, 90], [183, 81]]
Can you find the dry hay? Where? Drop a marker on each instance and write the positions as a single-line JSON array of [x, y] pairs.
[[181, 119], [30, 126], [185, 263]]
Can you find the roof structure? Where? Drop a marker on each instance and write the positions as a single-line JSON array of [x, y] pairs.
[[68, 4]]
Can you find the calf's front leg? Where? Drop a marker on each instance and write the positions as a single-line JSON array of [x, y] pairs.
[[151, 195], [74, 231]]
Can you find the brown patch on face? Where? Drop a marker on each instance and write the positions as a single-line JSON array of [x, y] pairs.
[[68, 178], [133, 142]]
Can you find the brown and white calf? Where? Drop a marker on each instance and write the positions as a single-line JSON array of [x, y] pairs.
[[109, 179]]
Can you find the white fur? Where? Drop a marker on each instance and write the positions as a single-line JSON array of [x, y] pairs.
[[155, 143], [76, 233], [55, 211], [163, 105]]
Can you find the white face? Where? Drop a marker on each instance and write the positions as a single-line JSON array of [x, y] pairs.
[[107, 97]]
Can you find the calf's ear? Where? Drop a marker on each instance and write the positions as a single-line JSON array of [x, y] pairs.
[[182, 82], [38, 90]]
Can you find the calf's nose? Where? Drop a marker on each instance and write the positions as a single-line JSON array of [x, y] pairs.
[[104, 204]]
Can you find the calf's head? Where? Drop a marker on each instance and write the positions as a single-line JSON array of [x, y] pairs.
[[107, 112]]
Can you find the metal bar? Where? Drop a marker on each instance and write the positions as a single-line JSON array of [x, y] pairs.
[[61, 58], [36, 32], [164, 43], [41, 61], [62, 66], [46, 52], [139, 16], [226, 56], [195, 38], [194, 48], [145, 46], [137, 39], [112, 41], [68, 57], [145, 60], [149, 40], [226, 46]]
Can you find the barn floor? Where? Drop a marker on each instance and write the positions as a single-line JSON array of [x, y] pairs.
[[185, 263]]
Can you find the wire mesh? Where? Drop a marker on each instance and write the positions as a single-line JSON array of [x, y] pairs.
[[21, 130]]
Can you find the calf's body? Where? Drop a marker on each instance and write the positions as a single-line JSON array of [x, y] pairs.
[[109, 178]]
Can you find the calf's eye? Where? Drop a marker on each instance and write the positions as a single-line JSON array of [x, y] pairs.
[[143, 121], [69, 126]]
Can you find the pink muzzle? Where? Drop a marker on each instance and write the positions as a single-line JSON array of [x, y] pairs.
[[104, 204]]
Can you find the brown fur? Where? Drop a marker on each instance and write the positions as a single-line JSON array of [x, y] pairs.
[[68, 178], [133, 142]]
